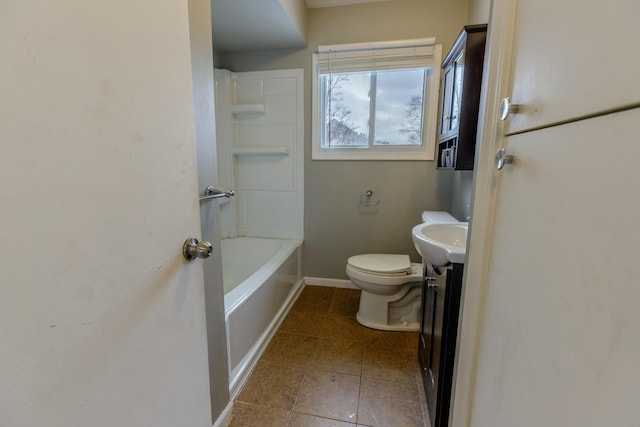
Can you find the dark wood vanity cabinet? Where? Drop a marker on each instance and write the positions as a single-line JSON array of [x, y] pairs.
[[441, 294], [460, 99]]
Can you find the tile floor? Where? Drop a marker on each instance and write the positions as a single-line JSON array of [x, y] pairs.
[[322, 369]]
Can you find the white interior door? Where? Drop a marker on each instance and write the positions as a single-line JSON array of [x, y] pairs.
[[560, 343], [103, 322], [551, 284], [572, 59]]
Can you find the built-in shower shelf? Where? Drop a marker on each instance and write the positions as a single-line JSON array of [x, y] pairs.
[[248, 109], [267, 151]]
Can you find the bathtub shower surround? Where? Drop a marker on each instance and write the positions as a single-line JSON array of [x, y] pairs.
[[260, 137], [259, 127]]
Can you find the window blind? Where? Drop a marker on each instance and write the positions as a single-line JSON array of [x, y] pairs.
[[376, 56]]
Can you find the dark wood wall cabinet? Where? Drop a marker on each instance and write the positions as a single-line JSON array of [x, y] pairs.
[[460, 99], [438, 333]]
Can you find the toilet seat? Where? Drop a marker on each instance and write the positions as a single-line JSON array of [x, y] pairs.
[[384, 269], [384, 264]]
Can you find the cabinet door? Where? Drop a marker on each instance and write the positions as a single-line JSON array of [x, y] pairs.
[[567, 67], [447, 89], [426, 332], [436, 304], [458, 74]]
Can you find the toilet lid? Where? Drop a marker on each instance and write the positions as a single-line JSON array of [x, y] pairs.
[[382, 263]]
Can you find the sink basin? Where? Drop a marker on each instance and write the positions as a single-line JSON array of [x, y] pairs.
[[441, 244]]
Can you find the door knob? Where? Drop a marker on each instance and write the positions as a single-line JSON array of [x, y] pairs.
[[193, 249], [507, 108], [502, 158]]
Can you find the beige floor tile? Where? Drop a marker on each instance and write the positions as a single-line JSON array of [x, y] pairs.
[[303, 420], [290, 349], [392, 339], [345, 302], [248, 415], [329, 395], [273, 385], [337, 355], [422, 398], [314, 299], [311, 324], [353, 373], [390, 364], [389, 404], [343, 327]]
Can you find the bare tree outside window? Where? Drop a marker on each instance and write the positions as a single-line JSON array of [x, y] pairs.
[[370, 108], [341, 130], [413, 120]]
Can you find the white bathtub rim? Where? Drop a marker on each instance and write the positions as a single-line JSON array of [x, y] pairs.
[[237, 295]]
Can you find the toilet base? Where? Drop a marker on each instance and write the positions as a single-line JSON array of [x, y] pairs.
[[397, 312], [409, 327]]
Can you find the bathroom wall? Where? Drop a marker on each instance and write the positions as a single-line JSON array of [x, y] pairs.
[[478, 11], [461, 187], [335, 228]]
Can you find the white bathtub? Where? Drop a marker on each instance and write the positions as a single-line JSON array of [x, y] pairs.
[[261, 279]]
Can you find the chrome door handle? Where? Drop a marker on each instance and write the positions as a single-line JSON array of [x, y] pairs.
[[193, 249], [502, 158], [507, 108]]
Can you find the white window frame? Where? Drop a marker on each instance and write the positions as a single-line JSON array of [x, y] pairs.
[[374, 57]]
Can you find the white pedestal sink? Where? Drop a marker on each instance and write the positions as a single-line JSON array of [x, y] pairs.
[[440, 244]]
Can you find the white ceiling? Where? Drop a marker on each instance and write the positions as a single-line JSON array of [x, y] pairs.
[[241, 25]]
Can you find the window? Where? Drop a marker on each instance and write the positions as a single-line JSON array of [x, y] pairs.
[[376, 101]]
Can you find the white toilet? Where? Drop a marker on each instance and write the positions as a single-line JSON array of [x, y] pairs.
[[391, 291], [391, 285]]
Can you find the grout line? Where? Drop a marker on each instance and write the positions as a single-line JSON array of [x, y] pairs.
[[364, 347], [304, 377], [324, 417]]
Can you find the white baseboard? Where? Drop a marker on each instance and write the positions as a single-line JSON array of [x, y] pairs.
[[333, 283]]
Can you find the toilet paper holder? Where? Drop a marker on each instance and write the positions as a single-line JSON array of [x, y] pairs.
[[365, 199]]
